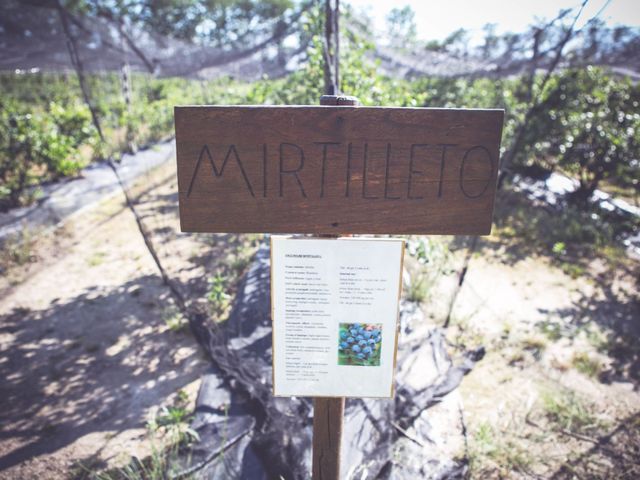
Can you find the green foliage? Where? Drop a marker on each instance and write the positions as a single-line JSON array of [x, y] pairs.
[[37, 145], [46, 130], [559, 248], [587, 123], [491, 450], [16, 250], [210, 21], [573, 270], [168, 431], [401, 25], [589, 128], [218, 297], [587, 364], [171, 416], [434, 259], [359, 75], [174, 319], [552, 330], [571, 233], [417, 290], [567, 411]]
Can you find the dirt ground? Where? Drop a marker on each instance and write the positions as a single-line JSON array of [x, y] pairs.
[[91, 346], [557, 395]]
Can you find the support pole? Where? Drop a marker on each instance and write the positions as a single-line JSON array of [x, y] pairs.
[[331, 47], [328, 413]]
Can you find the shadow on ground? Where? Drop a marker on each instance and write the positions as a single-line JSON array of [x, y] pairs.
[[565, 234], [615, 311], [63, 372], [614, 455]]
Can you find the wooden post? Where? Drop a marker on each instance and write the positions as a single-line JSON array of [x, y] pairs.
[[327, 437], [328, 413]]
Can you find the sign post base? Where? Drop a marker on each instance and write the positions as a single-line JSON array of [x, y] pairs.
[[328, 415]]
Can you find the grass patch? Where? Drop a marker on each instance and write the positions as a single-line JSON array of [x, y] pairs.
[[573, 270], [492, 451], [515, 357], [417, 289], [219, 299], [97, 258], [239, 263], [534, 343], [567, 411], [571, 236], [530, 346], [463, 335], [223, 285], [554, 331], [433, 261], [168, 431], [17, 250], [586, 364], [598, 339], [174, 319]]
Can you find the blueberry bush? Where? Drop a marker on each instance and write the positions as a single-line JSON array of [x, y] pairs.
[[46, 130], [588, 128]]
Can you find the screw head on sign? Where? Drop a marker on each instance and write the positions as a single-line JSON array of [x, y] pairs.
[[344, 100]]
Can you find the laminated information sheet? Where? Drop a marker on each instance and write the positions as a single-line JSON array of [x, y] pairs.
[[335, 316]]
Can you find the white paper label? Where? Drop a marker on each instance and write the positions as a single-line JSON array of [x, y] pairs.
[[335, 316]]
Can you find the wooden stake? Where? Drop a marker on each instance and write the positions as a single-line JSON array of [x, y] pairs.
[[328, 413], [327, 437]]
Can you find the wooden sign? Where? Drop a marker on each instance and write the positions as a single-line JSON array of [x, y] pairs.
[[337, 170]]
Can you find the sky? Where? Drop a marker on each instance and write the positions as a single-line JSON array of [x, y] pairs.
[[436, 19]]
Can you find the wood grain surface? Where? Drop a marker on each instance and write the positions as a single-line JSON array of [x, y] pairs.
[[337, 169], [328, 414]]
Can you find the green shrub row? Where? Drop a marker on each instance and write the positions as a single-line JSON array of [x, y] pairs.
[[40, 144], [583, 122], [46, 129], [587, 124]]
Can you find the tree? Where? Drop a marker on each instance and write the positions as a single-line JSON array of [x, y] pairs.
[[401, 26], [457, 42], [491, 41], [591, 128], [212, 22], [536, 92]]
